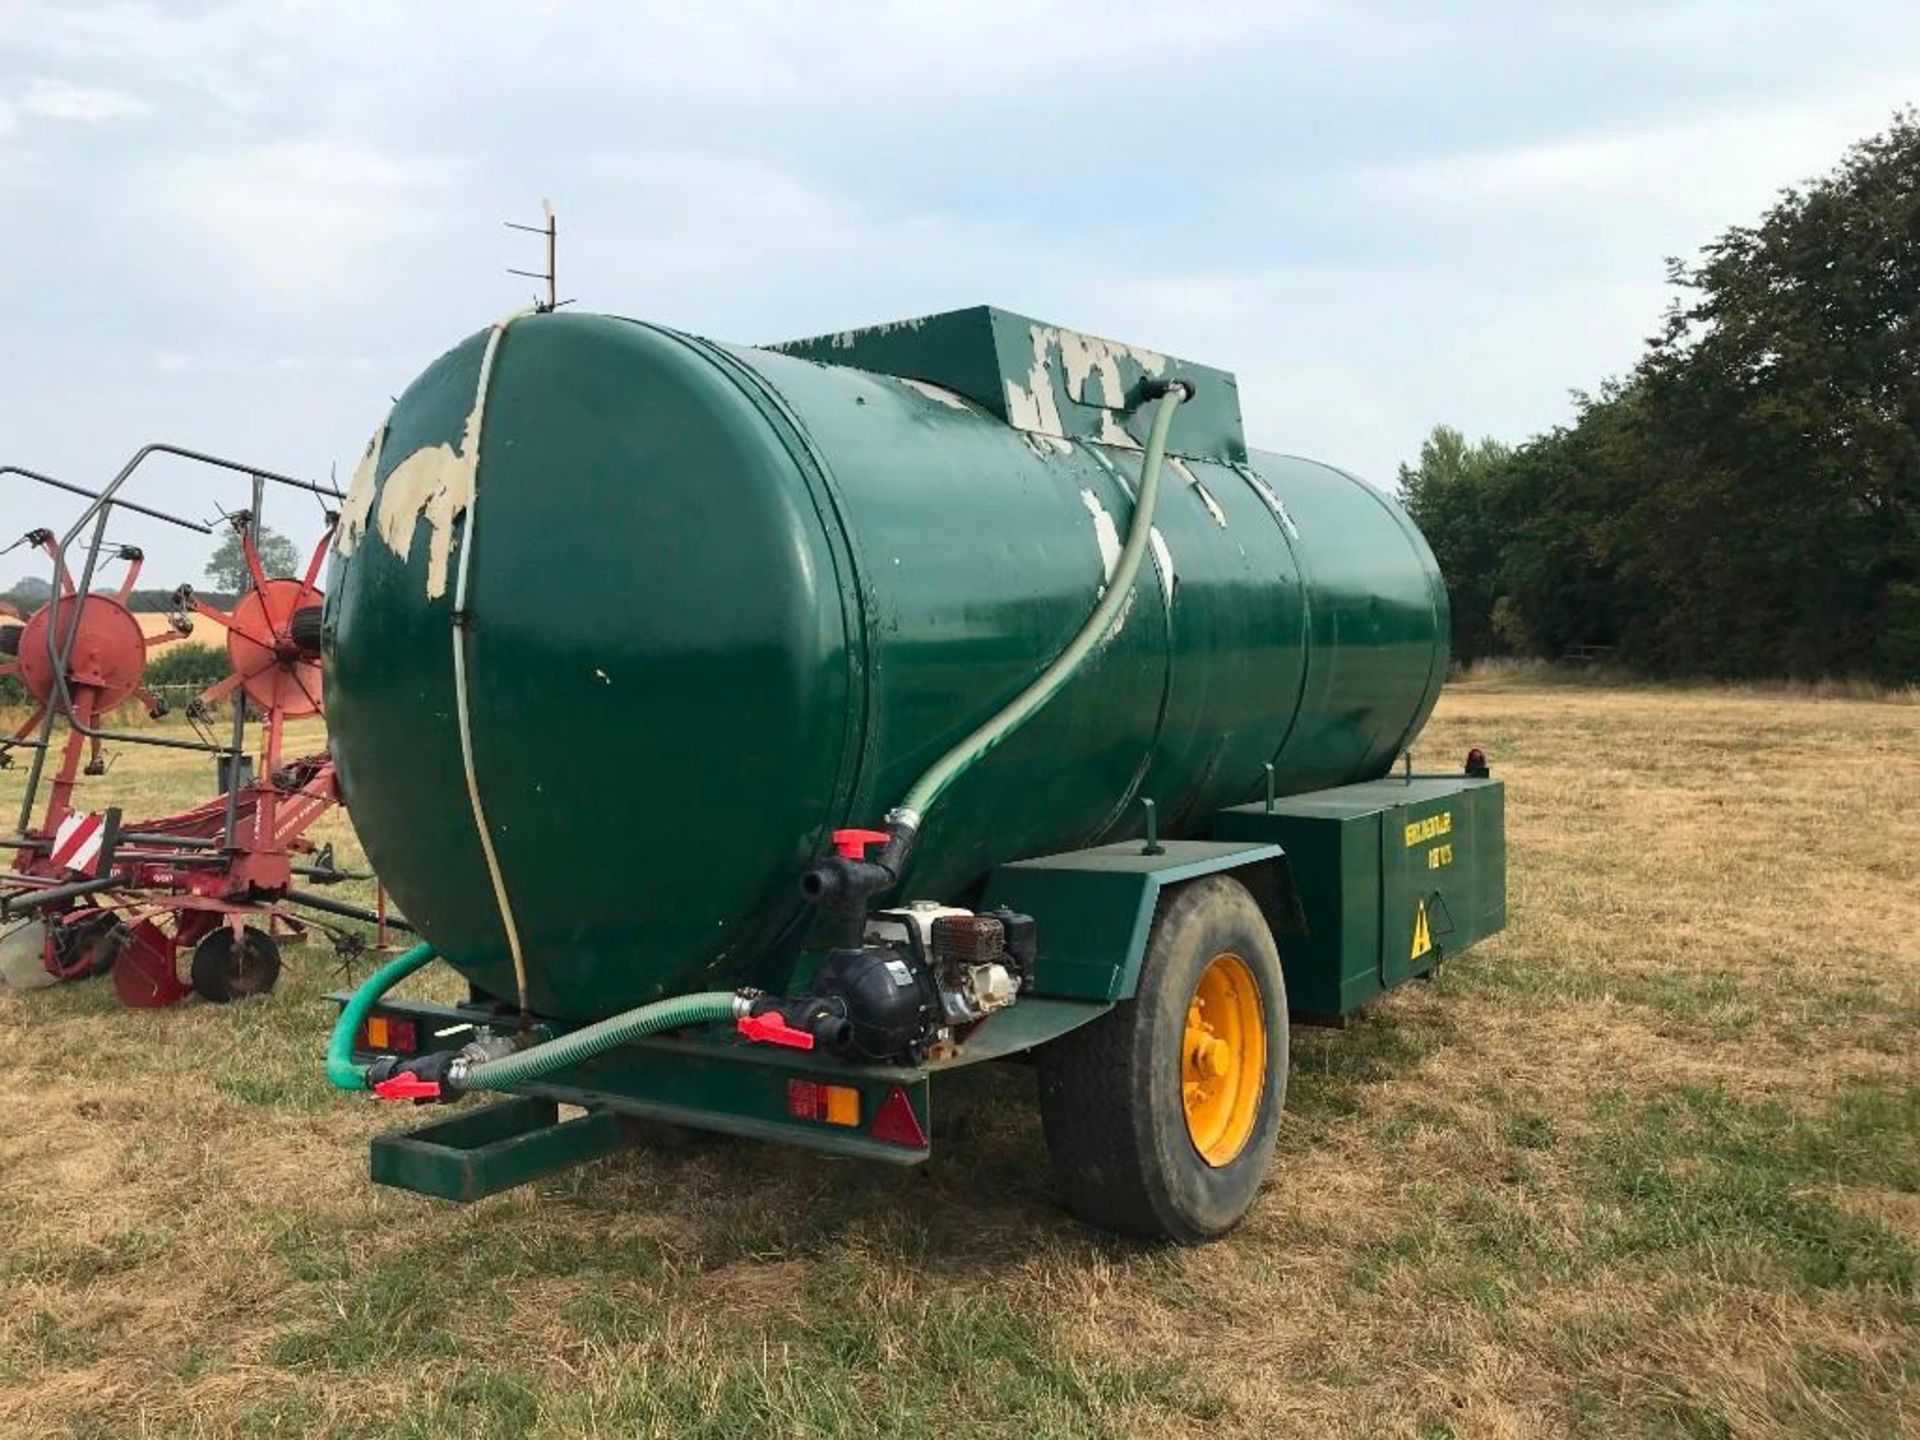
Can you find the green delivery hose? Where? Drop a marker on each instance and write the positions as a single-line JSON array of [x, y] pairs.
[[1029, 702], [673, 1013], [513, 1070], [340, 1067]]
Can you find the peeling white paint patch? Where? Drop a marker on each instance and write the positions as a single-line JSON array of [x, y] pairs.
[[1105, 534], [845, 339], [1033, 407], [1023, 411], [1082, 356], [1112, 432], [358, 507], [434, 483], [1068, 360], [1179, 467], [1274, 502], [1045, 446], [938, 394]]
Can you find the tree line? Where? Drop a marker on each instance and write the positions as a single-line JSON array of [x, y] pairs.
[[1746, 501]]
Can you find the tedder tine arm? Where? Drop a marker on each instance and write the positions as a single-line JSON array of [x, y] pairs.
[[51, 544], [318, 558], [252, 552], [214, 694], [32, 722], [132, 576], [294, 671], [214, 612]]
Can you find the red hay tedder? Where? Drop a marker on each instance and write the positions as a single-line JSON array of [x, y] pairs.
[[90, 892]]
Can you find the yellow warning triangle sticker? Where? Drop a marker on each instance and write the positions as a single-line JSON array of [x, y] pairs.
[[1422, 932]]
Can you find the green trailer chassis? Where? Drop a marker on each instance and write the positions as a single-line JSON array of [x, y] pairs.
[[1365, 886], [707, 1080]]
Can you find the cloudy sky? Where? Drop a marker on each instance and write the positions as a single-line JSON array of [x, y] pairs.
[[243, 226]]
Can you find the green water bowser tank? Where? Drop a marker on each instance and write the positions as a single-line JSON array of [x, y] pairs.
[[718, 601]]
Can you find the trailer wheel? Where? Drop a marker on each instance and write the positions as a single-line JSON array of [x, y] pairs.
[[1161, 1116], [224, 971]]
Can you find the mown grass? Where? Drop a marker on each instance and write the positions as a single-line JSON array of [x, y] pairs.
[[1647, 1165]]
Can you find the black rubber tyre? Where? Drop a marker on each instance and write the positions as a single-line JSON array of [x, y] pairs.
[[10, 640], [223, 971], [1111, 1092], [304, 628]]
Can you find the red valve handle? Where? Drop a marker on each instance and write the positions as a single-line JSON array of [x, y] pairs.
[[772, 1029], [852, 844], [408, 1086]]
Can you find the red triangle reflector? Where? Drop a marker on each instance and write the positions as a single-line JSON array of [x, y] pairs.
[[897, 1123]]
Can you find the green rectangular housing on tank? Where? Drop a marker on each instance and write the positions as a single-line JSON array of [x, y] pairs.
[[1043, 379], [1393, 876]]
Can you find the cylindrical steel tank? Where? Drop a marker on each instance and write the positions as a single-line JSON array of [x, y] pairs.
[[723, 600]]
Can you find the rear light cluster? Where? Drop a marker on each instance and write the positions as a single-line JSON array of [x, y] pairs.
[[835, 1104], [895, 1121], [390, 1032]]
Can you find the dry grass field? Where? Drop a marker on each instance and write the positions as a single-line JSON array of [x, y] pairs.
[[1648, 1165]]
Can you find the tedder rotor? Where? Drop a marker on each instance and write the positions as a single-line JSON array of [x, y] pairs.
[[213, 883]]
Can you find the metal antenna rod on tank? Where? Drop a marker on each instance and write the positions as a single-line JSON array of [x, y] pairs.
[[551, 274]]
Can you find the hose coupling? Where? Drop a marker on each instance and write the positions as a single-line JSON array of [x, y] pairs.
[[422, 1079], [438, 1078]]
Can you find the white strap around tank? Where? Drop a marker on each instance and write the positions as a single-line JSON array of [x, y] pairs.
[[461, 630]]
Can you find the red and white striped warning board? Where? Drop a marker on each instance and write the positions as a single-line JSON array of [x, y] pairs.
[[76, 844]]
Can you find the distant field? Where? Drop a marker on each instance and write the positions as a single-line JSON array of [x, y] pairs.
[[1649, 1165]]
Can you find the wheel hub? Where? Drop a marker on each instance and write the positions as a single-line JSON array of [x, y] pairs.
[[1223, 1059]]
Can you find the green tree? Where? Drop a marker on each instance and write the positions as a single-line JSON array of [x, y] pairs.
[[1747, 501], [29, 592], [1451, 494], [227, 569], [1783, 400]]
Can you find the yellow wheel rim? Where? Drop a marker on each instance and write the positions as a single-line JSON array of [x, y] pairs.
[[1223, 1059]]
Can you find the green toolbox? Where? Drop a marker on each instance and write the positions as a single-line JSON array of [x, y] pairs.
[[1393, 876]]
